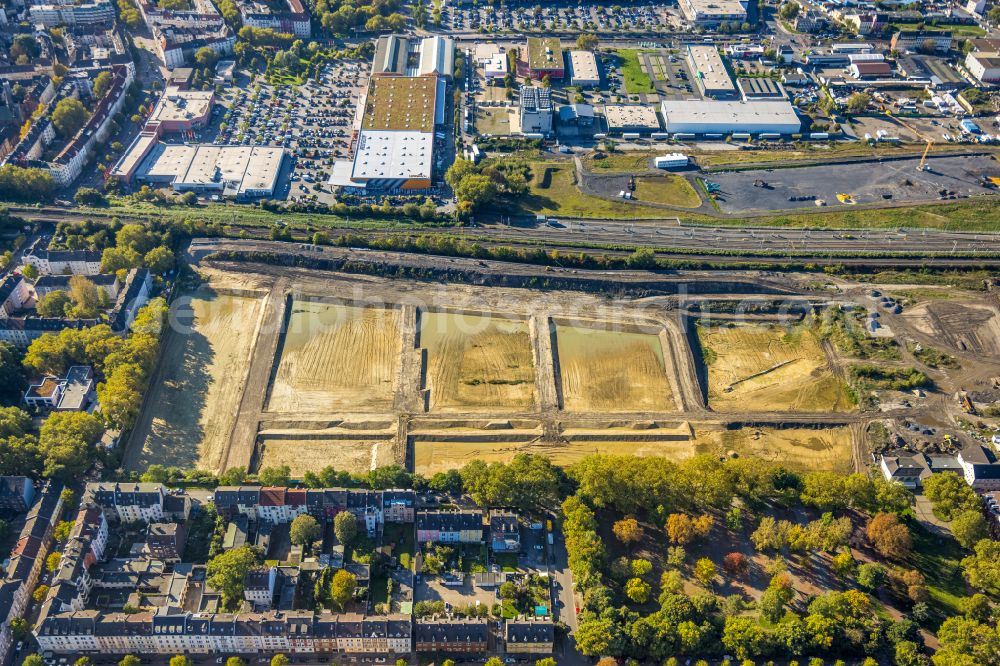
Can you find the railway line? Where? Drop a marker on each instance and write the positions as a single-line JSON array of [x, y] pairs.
[[671, 239]]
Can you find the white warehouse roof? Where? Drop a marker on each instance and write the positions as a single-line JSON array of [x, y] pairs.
[[437, 56], [387, 154], [718, 117]]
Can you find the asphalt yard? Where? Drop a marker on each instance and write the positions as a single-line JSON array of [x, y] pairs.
[[859, 182]]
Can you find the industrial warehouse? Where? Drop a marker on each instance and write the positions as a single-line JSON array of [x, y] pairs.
[[239, 172], [710, 117], [396, 119]]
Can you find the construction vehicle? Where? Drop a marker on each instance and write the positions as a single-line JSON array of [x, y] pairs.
[[845, 198], [923, 158], [631, 183], [763, 184]]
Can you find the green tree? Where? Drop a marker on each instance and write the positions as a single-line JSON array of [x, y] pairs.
[[969, 527], [30, 272], [102, 84], [20, 628], [68, 116], [705, 571], [743, 637], [637, 590], [233, 476], [342, 588], [275, 476], [52, 561], [53, 304], [345, 527], [130, 660], [88, 196], [279, 660], [206, 57], [477, 190], [33, 660], [949, 494], [789, 10], [227, 570], [66, 443], [587, 42], [180, 660], [235, 661], [159, 260], [304, 530], [982, 568]]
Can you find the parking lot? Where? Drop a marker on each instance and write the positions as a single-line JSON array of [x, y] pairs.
[[571, 17], [313, 121], [881, 182]]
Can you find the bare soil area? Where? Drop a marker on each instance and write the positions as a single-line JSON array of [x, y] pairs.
[[302, 455], [193, 401], [769, 368], [602, 369], [477, 362], [335, 357], [801, 449]]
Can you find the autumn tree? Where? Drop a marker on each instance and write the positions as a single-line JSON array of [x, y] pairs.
[[627, 530], [705, 571], [736, 565], [889, 536], [682, 529]]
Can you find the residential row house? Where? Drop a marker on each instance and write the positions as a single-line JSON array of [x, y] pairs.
[[27, 560], [450, 526], [289, 632], [282, 505], [16, 494], [138, 502]]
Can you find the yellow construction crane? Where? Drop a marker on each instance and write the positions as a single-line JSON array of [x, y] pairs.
[[923, 158]]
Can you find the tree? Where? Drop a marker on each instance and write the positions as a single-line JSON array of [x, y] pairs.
[[88, 196], [345, 527], [736, 565], [235, 661], [587, 42], [304, 530], [26, 184], [83, 661], [889, 536], [233, 476], [180, 660], [33, 660], [274, 476], [871, 576], [928, 46], [20, 628], [789, 10], [69, 116], [86, 297], [160, 259], [705, 571], [279, 660], [25, 44], [477, 190], [130, 660], [982, 568], [527, 482], [969, 527], [62, 530], [40, 593], [227, 570], [858, 102], [52, 561], [627, 530], [342, 588], [30, 272], [102, 84], [637, 590], [53, 304], [66, 443], [682, 529], [206, 57]]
